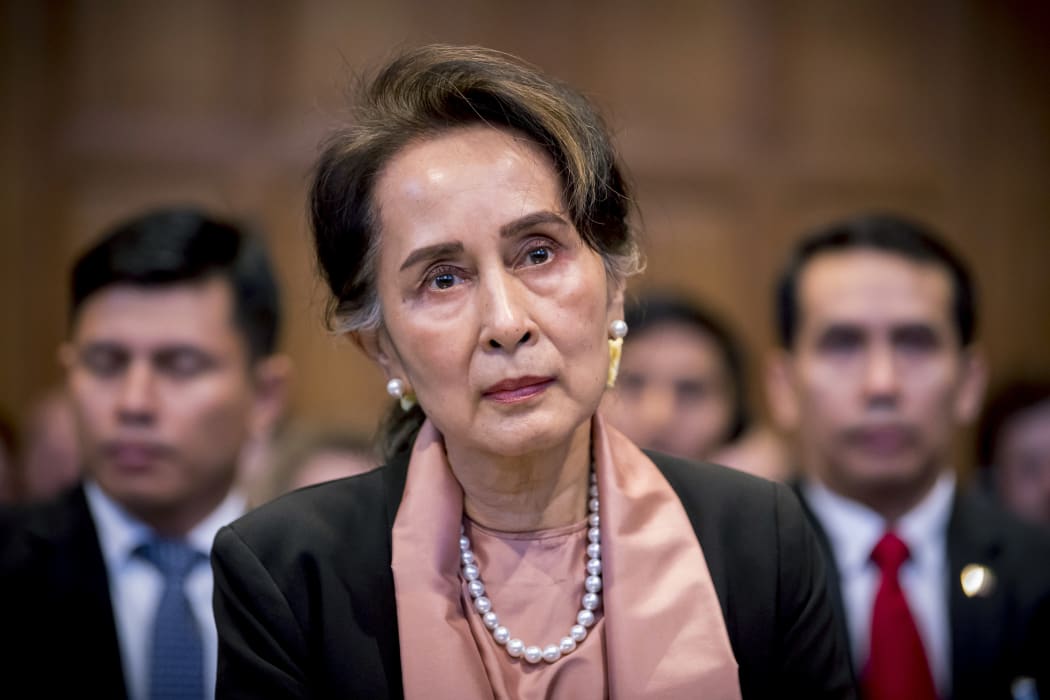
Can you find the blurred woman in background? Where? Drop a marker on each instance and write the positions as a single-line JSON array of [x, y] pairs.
[[683, 389]]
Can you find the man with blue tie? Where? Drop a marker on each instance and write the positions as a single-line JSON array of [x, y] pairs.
[[171, 366], [943, 595]]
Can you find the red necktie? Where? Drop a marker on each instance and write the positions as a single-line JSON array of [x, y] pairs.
[[897, 668]]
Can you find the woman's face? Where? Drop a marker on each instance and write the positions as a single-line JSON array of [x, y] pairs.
[[674, 393], [495, 311]]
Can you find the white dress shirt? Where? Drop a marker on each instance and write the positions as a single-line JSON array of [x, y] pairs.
[[854, 530], [135, 585]]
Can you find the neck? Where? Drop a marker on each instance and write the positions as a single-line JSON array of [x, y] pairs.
[[891, 500], [539, 490], [176, 522]]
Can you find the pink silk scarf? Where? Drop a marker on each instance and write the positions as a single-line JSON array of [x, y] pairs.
[[662, 627]]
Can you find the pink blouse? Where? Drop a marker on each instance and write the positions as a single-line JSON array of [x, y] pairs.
[[660, 632]]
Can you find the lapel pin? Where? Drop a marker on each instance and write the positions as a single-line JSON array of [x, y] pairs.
[[977, 581]]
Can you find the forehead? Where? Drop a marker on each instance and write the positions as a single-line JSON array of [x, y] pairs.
[[467, 172], [867, 287], [1031, 424], [198, 313], [673, 346]]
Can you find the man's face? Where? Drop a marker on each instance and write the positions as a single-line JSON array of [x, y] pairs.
[[164, 396], [877, 382]]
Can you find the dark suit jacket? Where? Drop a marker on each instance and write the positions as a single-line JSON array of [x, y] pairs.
[[1002, 636], [57, 635], [304, 595]]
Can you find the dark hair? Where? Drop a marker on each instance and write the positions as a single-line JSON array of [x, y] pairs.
[[1005, 405], [883, 233], [432, 90], [655, 309], [178, 245]]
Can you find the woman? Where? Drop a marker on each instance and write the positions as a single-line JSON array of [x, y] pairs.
[[682, 389], [472, 228]]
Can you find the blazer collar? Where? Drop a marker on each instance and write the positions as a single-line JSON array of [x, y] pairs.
[[395, 473]]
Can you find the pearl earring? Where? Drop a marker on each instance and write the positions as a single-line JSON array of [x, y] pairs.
[[617, 329], [396, 388]]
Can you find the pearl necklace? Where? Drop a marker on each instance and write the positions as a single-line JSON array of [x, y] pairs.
[[584, 618]]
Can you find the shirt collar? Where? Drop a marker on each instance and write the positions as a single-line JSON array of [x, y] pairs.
[[854, 529], [924, 527], [120, 533]]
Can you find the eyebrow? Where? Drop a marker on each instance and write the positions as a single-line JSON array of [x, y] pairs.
[[530, 220], [431, 251], [508, 230]]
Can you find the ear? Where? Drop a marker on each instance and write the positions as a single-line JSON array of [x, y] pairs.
[[376, 344], [970, 398], [272, 377], [66, 356], [781, 389]]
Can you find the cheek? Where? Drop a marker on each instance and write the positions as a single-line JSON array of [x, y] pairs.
[[579, 319], [210, 416], [823, 394], [714, 418], [437, 363], [93, 410]]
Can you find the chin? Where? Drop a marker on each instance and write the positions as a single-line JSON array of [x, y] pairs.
[[531, 436], [888, 475]]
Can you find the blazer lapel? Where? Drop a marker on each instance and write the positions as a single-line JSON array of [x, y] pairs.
[[81, 610], [977, 615], [832, 568]]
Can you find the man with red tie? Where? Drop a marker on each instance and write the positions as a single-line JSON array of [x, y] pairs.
[[942, 594]]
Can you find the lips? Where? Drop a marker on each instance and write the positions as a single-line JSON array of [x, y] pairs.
[[887, 439], [135, 454], [518, 389]]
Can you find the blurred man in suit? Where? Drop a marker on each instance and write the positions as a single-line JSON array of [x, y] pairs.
[[171, 368], [943, 594]]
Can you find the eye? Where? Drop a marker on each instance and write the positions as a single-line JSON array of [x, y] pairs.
[[537, 250], [443, 278], [630, 383], [691, 390], [104, 360], [183, 363], [916, 339], [540, 255], [840, 340]]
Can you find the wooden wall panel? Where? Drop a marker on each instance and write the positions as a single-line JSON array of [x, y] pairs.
[[742, 124]]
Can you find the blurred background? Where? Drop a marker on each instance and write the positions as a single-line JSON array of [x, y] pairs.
[[743, 124]]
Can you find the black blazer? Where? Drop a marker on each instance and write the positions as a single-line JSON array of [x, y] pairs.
[[304, 595], [999, 637], [57, 634]]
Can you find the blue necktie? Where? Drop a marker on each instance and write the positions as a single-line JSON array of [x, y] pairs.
[[177, 655]]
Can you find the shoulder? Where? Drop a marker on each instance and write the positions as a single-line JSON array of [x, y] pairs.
[[974, 509], [717, 497], [345, 518], [26, 530], [770, 578], [982, 530], [748, 527]]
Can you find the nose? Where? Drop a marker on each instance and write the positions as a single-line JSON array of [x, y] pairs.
[[135, 401], [506, 322], [881, 381]]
